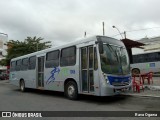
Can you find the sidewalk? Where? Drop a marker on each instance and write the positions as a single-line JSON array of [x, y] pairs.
[[152, 90]]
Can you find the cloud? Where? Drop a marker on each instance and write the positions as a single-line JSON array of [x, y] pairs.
[[67, 20]]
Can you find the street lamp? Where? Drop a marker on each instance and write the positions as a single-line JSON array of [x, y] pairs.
[[118, 30]]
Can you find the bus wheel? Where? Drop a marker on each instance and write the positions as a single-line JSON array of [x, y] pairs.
[[135, 71], [71, 90], [22, 85]]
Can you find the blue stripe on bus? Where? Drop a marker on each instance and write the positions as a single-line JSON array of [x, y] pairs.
[[118, 79]]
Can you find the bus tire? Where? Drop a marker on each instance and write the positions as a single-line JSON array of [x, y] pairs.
[[22, 85], [135, 71], [71, 90]]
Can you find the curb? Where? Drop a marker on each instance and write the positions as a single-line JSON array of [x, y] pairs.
[[154, 88], [138, 95]]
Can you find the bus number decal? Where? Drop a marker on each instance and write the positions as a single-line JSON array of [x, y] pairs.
[[152, 64], [72, 72], [52, 77]]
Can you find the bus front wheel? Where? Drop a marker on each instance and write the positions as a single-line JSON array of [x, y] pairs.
[[22, 85], [71, 90]]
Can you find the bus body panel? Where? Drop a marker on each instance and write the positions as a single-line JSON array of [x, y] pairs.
[[55, 80], [147, 67], [13, 79], [147, 62]]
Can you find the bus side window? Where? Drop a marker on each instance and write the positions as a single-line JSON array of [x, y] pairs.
[[95, 59], [90, 57], [24, 64], [32, 63], [18, 65], [68, 56], [52, 59]]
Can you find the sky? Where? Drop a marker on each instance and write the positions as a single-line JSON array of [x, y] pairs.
[[62, 21]]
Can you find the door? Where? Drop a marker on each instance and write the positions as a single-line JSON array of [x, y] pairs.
[[87, 69], [40, 72]]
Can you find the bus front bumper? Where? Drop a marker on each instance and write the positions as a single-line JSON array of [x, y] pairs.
[[111, 90]]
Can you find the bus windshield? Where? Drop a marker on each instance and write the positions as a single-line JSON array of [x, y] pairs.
[[114, 60]]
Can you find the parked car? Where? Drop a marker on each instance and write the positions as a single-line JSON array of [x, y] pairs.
[[4, 76]]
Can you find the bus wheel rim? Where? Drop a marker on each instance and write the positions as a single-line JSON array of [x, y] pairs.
[[71, 90], [22, 86]]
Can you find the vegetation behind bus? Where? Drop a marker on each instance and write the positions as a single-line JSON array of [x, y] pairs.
[[18, 48]]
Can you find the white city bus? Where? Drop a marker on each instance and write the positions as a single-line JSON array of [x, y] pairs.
[[146, 62], [94, 66]]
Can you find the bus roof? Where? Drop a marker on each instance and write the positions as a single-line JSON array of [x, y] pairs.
[[80, 41]]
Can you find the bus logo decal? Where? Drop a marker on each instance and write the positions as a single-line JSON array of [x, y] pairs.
[[52, 77]]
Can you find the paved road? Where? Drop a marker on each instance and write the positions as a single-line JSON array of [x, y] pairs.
[[11, 99]]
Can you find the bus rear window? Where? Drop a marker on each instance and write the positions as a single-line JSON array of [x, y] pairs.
[[13, 65]]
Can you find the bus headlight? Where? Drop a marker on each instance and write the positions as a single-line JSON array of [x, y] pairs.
[[105, 78], [107, 81]]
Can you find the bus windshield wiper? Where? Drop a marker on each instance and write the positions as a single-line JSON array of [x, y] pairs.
[[112, 50]]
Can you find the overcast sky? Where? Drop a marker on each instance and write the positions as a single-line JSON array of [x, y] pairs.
[[61, 21]]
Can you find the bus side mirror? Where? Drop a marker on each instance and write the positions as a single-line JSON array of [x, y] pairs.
[[100, 45]]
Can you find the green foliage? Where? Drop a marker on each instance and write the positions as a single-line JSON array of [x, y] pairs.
[[19, 48]]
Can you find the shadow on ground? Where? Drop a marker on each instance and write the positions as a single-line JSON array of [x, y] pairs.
[[84, 98]]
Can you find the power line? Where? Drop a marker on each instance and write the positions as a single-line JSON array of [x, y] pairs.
[[136, 30], [142, 29]]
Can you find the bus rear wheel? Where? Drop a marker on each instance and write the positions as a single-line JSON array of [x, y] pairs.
[[71, 90], [22, 85]]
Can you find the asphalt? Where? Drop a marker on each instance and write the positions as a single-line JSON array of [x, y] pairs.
[[152, 90]]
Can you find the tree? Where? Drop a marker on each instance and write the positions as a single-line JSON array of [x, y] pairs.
[[34, 44], [19, 48]]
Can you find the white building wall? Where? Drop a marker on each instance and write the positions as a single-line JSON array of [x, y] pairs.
[[3, 52]]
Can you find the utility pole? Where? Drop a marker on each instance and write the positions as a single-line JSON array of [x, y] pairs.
[[85, 34], [103, 28], [125, 35]]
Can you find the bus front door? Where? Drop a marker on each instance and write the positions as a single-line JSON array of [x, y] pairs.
[[87, 69], [40, 72]]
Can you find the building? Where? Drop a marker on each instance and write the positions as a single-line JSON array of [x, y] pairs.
[[151, 44], [3, 52]]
